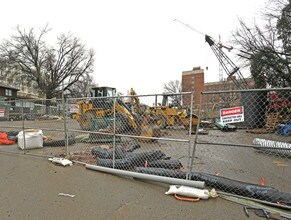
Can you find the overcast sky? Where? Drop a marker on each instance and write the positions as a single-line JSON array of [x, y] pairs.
[[137, 43]]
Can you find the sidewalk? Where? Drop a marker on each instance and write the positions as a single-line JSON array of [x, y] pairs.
[[30, 186]]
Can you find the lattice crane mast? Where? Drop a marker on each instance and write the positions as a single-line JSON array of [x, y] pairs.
[[229, 67]]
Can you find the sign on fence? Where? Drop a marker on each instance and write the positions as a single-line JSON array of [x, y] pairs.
[[232, 115], [73, 108], [2, 111]]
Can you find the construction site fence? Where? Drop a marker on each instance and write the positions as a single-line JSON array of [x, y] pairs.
[[237, 137], [249, 142], [43, 116]]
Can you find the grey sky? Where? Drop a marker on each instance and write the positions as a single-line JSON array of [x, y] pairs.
[[137, 43]]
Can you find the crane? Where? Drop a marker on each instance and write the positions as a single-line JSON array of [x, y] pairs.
[[227, 64], [229, 67]]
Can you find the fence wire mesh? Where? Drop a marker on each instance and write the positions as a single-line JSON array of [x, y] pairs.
[[35, 126], [133, 133], [235, 141], [249, 143]]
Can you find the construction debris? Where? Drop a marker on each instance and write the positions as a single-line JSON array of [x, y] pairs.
[[284, 129], [4, 139], [49, 142], [191, 192], [270, 146], [267, 193], [225, 127], [62, 161], [270, 126], [162, 179], [66, 195]]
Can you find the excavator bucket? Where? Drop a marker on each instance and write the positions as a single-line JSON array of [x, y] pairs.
[[147, 132], [148, 129]]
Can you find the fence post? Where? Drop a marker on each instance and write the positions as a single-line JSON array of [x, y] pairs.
[[23, 127], [114, 131], [189, 134], [191, 112], [64, 101], [197, 131], [8, 111]]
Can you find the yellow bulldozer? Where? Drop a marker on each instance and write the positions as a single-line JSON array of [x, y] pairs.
[[101, 105]]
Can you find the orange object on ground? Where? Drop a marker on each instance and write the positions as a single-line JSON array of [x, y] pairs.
[[4, 139], [187, 198], [262, 181]]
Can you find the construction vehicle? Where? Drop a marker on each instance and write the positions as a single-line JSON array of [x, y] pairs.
[[134, 102], [104, 105], [166, 114], [173, 115], [101, 107]]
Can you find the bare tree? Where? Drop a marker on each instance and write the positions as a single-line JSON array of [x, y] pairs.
[[53, 69], [81, 88], [266, 49], [174, 86]]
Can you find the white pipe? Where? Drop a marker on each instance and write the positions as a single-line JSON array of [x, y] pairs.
[[163, 179]]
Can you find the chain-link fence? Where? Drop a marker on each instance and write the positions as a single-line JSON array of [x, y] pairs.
[[250, 143], [132, 132], [33, 127], [235, 141]]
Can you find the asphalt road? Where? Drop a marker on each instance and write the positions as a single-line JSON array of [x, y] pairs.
[[30, 186]]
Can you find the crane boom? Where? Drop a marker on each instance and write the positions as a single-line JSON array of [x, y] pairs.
[[229, 67]]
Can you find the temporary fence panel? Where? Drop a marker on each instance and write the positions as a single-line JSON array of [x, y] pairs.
[[10, 125], [133, 133], [27, 115], [249, 142]]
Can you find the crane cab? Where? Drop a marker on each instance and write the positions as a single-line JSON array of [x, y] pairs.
[[103, 92]]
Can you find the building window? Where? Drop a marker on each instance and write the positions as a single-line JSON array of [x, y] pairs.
[[8, 92]]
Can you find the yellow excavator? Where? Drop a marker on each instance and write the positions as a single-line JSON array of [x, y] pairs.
[[102, 106], [134, 101]]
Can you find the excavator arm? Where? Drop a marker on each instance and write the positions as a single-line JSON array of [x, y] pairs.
[[134, 101]]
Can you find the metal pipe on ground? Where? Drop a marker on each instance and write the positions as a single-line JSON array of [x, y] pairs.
[[257, 205], [162, 179]]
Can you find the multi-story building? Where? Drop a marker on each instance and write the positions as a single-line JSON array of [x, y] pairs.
[[27, 89], [7, 92], [193, 80]]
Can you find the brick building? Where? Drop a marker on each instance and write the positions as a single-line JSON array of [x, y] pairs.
[[193, 80]]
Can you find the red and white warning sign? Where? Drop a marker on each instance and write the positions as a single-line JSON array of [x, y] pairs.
[[2, 111], [232, 115]]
